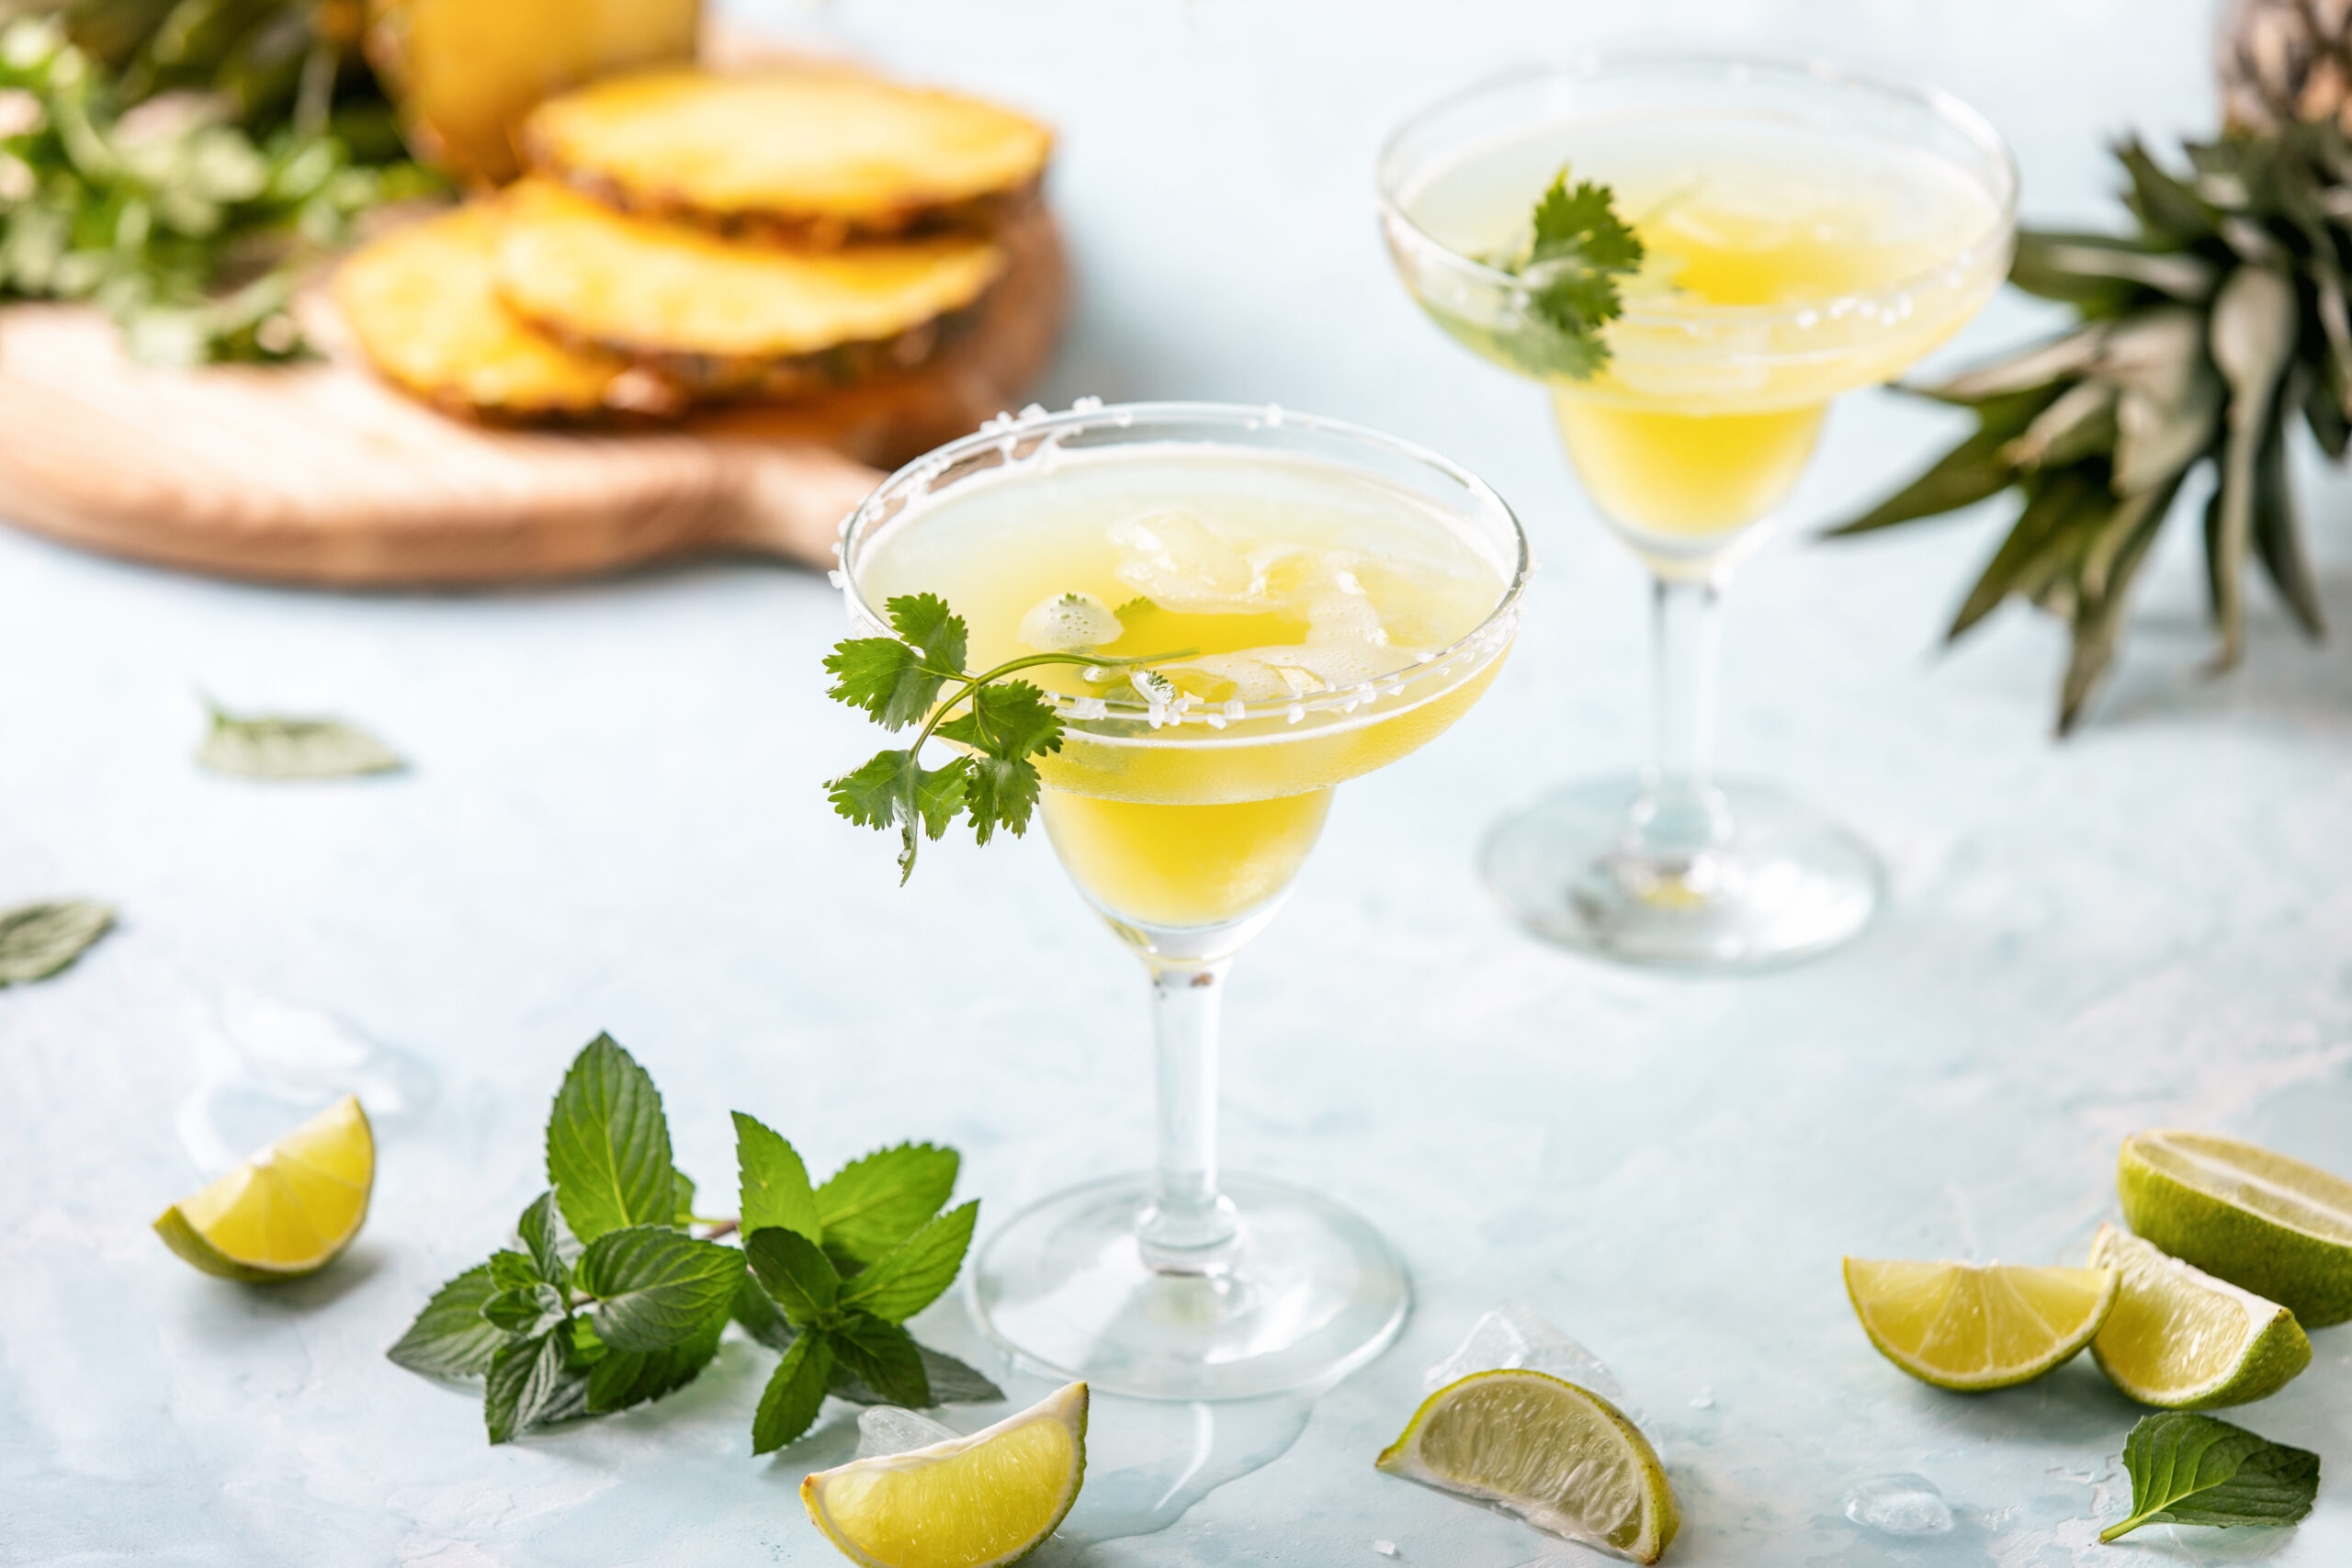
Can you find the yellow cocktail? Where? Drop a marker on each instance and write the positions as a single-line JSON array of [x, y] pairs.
[[1330, 600], [1806, 232]]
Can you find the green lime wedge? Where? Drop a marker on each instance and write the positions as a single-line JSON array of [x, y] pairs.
[[2180, 1339], [2265, 1222], [1563, 1459]]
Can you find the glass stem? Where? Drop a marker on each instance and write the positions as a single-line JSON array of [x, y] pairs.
[[1681, 814], [1190, 1222]]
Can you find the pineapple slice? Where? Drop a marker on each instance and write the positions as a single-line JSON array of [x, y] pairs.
[[465, 72], [817, 156], [421, 303], [728, 318]]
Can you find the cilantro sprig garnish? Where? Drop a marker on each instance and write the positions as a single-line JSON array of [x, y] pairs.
[[1576, 250], [609, 1299], [1002, 724]]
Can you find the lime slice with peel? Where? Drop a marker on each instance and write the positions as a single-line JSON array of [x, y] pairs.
[[2180, 1339], [967, 1503], [287, 1211], [1563, 1459], [1976, 1326], [2263, 1222]]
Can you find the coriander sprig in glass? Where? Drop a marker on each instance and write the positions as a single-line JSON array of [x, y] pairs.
[[1195, 622], [1803, 232]]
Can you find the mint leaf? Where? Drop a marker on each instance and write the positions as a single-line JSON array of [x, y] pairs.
[[531, 1383], [450, 1338], [884, 1357], [2188, 1469], [681, 1198], [656, 1287], [553, 1247], [898, 680], [620, 1379], [795, 1393], [511, 1271], [530, 1313], [759, 1317], [795, 1275], [270, 746], [775, 1190], [910, 1276], [608, 1144], [38, 940], [952, 1382], [873, 1204]]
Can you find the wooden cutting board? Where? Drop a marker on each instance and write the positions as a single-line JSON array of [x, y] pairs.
[[321, 474]]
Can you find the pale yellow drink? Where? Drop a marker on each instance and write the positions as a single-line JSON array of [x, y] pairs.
[[1784, 265], [1324, 608]]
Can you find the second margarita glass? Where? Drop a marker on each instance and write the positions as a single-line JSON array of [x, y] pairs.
[[1808, 232]]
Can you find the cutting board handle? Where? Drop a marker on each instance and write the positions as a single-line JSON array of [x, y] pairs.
[[790, 500]]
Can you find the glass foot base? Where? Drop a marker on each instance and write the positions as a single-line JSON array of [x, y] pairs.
[[1788, 885], [1304, 1294]]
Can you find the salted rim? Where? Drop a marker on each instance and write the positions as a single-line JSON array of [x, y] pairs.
[[1011, 439], [1952, 110]]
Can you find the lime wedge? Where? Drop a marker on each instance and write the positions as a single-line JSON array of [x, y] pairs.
[[1974, 1327], [1564, 1460], [286, 1210], [2263, 1222], [2181, 1339], [967, 1503]]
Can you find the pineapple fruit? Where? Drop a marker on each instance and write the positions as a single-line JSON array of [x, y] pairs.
[[2283, 60]]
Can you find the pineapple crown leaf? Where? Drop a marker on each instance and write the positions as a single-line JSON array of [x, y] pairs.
[[2199, 338]]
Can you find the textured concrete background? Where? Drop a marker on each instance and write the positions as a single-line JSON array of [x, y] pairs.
[[613, 823]]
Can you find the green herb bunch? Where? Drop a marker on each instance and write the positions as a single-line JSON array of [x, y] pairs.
[[1570, 258], [183, 193], [1003, 723], [609, 1300], [2198, 340]]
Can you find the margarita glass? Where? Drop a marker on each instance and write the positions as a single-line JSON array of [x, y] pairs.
[[1340, 599], [1808, 232]]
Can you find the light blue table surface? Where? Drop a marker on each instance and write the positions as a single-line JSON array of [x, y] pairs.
[[612, 822]]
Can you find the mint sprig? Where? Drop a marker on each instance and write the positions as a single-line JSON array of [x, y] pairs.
[[1576, 250], [1003, 723], [609, 1300], [2188, 1469]]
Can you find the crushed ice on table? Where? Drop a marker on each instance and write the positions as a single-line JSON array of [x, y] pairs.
[[886, 1429], [1385, 1547], [1705, 1399], [1149, 1461], [1513, 1336], [264, 1064], [1898, 1504]]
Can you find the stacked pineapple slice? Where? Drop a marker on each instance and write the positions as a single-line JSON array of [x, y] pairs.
[[681, 237]]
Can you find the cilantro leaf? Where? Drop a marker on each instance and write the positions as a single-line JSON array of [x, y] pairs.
[[897, 679], [797, 1276], [775, 1184], [656, 1287], [1010, 720], [608, 1144], [911, 1275], [893, 787], [1580, 248], [884, 1357], [796, 1392], [450, 1338], [1583, 222], [2188, 1469], [999, 793], [872, 1204]]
